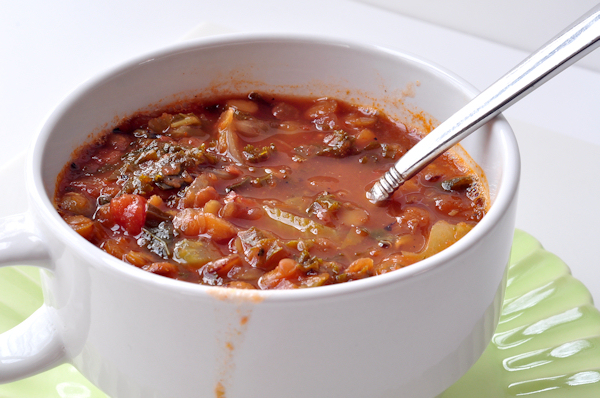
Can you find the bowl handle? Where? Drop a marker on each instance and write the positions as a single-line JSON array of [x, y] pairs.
[[34, 345]]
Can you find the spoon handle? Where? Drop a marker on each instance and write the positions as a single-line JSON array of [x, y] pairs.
[[579, 39]]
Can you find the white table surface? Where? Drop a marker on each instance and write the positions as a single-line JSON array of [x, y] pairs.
[[48, 48]]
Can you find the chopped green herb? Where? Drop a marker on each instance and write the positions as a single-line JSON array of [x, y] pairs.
[[257, 155]]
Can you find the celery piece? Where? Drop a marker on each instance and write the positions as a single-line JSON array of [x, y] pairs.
[[188, 119], [302, 224], [196, 253]]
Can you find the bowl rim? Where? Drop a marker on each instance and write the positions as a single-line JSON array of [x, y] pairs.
[[100, 259]]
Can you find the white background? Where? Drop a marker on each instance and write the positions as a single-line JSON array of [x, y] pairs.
[[48, 48], [521, 24]]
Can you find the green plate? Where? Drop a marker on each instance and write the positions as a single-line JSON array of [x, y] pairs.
[[547, 343]]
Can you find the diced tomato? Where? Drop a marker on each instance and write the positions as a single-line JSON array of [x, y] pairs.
[[129, 211]]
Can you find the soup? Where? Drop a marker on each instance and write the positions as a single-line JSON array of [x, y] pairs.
[[264, 192]]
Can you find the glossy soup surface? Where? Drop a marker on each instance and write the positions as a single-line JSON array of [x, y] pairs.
[[263, 193]]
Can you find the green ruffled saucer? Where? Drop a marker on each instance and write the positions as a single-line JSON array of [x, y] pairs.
[[547, 343]]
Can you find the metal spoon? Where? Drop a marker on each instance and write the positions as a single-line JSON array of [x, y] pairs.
[[579, 39]]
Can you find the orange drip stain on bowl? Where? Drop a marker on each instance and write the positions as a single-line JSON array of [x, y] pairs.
[[426, 122], [234, 318], [409, 91], [219, 391]]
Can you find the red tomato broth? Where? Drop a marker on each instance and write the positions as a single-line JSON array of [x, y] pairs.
[[264, 192]]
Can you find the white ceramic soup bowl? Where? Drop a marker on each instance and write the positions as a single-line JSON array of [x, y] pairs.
[[412, 332]]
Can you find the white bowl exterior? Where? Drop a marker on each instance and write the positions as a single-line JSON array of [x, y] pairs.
[[412, 332]]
